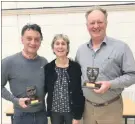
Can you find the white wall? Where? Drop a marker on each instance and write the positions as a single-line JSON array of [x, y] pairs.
[[120, 25], [32, 4]]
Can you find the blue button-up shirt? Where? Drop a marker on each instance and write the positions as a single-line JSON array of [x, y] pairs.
[[115, 62]]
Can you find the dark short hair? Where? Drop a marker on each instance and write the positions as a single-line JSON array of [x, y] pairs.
[[34, 27]]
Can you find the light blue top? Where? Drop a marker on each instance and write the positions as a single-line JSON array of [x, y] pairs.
[[115, 62]]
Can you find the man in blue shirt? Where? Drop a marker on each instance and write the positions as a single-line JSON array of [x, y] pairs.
[[116, 71]]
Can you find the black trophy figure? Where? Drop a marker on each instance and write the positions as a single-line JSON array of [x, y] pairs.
[[92, 74], [31, 93]]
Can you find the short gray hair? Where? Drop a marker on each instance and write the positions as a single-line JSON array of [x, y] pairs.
[[61, 36], [96, 8]]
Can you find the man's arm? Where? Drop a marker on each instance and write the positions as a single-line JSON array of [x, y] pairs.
[[5, 77], [128, 71]]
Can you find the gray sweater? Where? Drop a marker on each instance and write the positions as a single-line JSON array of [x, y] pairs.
[[21, 73]]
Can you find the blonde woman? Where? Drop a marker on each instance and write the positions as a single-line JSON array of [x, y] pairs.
[[65, 101]]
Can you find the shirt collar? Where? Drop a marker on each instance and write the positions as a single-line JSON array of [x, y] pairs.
[[89, 44]]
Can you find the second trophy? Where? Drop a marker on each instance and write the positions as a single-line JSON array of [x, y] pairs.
[[92, 74]]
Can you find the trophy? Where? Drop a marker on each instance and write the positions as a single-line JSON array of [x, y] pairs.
[[92, 74], [31, 93]]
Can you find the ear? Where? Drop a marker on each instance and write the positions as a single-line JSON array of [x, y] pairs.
[[53, 50], [87, 26], [106, 23], [22, 40]]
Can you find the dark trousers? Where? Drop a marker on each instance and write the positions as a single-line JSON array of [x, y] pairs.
[[61, 118], [30, 118]]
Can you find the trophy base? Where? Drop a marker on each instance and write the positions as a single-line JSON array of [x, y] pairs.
[[91, 85], [33, 102]]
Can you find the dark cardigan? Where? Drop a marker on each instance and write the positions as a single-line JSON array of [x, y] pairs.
[[76, 97]]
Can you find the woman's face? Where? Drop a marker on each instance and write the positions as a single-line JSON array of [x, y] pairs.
[[60, 48]]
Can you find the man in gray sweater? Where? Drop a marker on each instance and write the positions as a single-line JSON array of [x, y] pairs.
[[24, 71]]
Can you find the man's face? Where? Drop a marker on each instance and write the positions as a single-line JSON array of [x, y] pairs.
[[31, 41], [96, 24]]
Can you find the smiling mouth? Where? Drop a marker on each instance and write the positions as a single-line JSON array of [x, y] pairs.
[[32, 47], [96, 31], [60, 51]]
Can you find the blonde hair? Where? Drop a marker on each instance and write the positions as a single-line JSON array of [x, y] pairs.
[[96, 8]]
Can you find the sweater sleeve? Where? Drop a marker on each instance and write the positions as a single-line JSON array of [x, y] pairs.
[[79, 99], [5, 78], [45, 81]]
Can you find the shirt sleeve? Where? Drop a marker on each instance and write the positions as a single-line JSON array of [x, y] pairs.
[[5, 78], [128, 70]]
